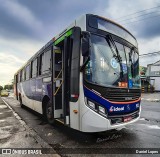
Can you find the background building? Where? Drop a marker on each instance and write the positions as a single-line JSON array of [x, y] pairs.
[[153, 75], [145, 82]]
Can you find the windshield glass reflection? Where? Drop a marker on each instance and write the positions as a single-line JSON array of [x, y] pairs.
[[104, 69]]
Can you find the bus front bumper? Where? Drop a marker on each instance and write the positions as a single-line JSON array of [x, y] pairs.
[[94, 122]]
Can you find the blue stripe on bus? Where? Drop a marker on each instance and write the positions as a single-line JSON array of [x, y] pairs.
[[130, 107], [34, 89]]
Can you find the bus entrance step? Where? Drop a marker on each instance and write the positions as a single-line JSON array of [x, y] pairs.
[[60, 120]]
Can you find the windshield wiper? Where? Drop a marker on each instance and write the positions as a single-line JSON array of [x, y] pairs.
[[130, 59], [116, 56]]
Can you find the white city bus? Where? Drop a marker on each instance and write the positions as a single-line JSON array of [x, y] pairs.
[[86, 77]]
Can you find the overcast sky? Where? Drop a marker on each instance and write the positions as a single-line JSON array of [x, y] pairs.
[[27, 25]]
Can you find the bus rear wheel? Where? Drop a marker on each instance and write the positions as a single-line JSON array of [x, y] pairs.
[[49, 113]]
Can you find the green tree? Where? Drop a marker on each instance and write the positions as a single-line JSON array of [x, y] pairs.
[[9, 87], [1, 88]]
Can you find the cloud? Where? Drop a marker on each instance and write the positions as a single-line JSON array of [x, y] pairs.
[[43, 19], [17, 20], [21, 13], [118, 11], [13, 54], [146, 46], [149, 45], [21, 48], [9, 64], [8, 58]]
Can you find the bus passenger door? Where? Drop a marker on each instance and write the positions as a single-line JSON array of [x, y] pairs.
[[61, 73], [66, 68], [57, 82]]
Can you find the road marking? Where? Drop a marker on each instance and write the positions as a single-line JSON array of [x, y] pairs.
[[154, 127], [3, 106], [151, 126], [142, 119]]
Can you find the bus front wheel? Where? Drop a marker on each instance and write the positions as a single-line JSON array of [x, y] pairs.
[[49, 113]]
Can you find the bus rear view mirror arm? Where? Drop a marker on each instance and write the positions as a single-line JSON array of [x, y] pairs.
[[84, 64], [85, 43]]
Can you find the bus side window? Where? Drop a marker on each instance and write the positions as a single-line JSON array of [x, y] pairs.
[[15, 78], [27, 72], [46, 62], [34, 68], [20, 76], [23, 75], [40, 64], [31, 69]]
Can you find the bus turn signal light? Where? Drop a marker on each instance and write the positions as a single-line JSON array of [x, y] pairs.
[[75, 111]]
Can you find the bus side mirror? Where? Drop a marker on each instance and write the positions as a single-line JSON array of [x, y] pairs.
[[75, 65], [85, 44]]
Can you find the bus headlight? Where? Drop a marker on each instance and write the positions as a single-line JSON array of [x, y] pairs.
[[91, 104], [101, 109], [96, 107]]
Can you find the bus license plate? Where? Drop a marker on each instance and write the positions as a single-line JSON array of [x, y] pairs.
[[126, 119]]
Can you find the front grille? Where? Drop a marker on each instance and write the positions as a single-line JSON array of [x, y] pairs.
[[123, 95], [115, 94], [120, 119]]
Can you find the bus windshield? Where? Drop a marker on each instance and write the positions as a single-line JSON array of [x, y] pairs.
[[104, 69]]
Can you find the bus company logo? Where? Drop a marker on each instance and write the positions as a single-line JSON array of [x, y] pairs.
[[112, 108], [137, 105], [128, 107]]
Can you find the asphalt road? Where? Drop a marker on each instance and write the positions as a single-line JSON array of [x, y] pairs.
[[143, 134]]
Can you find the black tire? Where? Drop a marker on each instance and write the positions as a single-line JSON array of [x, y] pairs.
[[20, 101], [49, 113]]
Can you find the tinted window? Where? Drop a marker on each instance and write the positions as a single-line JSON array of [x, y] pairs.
[[19, 78], [27, 72], [40, 63], [23, 74], [46, 62], [34, 68], [20, 75]]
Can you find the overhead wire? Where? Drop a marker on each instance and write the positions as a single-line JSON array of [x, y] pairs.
[[136, 13], [142, 19], [139, 16], [123, 18], [144, 13]]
